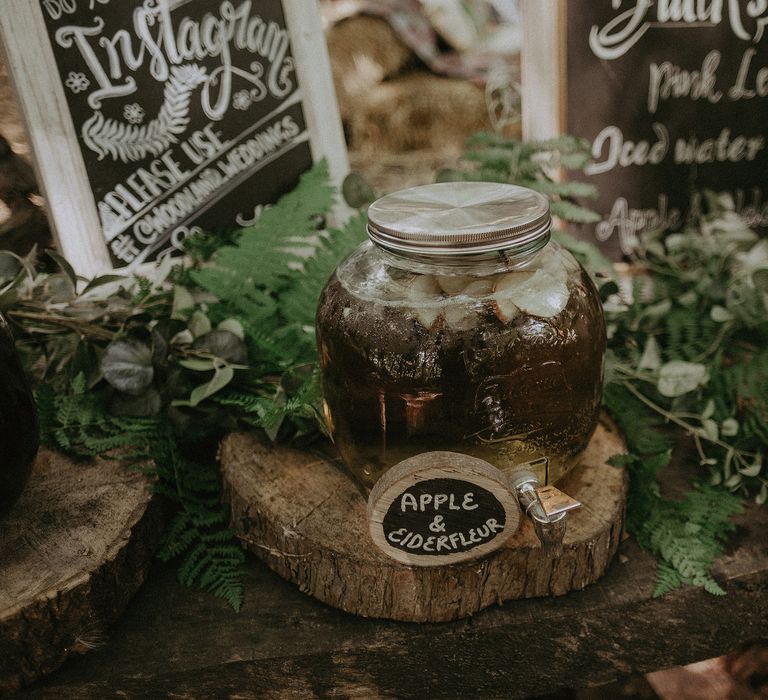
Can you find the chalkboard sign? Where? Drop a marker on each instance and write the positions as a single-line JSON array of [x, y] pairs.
[[441, 508], [672, 95], [152, 119]]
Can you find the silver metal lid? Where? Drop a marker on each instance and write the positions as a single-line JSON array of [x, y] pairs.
[[461, 218]]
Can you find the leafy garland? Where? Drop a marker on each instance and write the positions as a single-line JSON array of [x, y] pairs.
[[157, 368]]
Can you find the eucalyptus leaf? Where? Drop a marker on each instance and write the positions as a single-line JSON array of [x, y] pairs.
[[102, 280], [223, 375], [10, 265], [182, 302], [197, 364], [223, 344], [651, 357], [357, 191], [678, 377], [751, 470], [754, 468], [58, 288], [720, 314], [162, 332], [709, 429], [233, 326], [729, 427], [727, 462], [762, 495], [184, 337], [127, 365], [199, 324], [66, 268]]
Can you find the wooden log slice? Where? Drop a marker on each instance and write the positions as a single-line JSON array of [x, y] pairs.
[[73, 550], [306, 519]]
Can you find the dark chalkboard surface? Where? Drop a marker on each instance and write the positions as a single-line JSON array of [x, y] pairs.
[[441, 508], [672, 95], [177, 115]]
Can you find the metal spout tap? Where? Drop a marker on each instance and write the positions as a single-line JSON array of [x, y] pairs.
[[546, 506]]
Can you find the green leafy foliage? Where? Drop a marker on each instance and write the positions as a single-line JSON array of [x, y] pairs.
[[200, 534], [690, 342], [154, 369], [670, 362], [687, 535], [78, 423], [248, 274], [687, 358]]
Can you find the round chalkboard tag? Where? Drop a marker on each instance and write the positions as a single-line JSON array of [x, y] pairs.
[[441, 508]]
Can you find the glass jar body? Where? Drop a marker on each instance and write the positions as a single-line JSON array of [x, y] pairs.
[[500, 359], [18, 422]]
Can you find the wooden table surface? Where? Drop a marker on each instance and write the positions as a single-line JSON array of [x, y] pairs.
[[283, 644]]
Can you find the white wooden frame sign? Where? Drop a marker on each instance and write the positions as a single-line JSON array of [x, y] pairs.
[[149, 118]]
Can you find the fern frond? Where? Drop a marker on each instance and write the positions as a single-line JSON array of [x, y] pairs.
[[259, 262], [298, 302], [686, 535], [200, 535]]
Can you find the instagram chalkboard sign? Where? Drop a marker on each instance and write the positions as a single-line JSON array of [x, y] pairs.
[[672, 95], [441, 508], [152, 119]]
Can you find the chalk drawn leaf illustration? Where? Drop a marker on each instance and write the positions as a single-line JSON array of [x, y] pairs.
[[131, 142]]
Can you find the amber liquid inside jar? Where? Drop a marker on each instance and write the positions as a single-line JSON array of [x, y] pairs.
[[498, 356]]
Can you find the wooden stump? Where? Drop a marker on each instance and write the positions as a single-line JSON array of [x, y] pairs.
[[73, 551], [307, 520]]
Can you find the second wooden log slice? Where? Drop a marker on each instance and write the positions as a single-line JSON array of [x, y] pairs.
[[307, 520], [73, 550]]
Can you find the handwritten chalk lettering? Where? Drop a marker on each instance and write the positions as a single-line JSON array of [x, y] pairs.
[[428, 501], [126, 199], [255, 148], [723, 149], [176, 241], [176, 208], [668, 80], [759, 82], [204, 144], [611, 150], [443, 516], [747, 22], [129, 200], [241, 160], [165, 43], [626, 222], [57, 8], [451, 542]]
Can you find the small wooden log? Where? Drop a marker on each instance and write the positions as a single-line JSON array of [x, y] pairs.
[[307, 520], [73, 550]]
